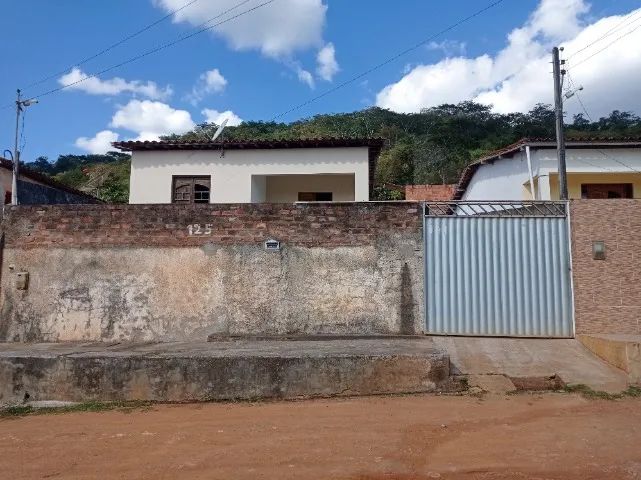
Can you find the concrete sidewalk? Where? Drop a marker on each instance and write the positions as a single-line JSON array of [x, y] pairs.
[[531, 357]]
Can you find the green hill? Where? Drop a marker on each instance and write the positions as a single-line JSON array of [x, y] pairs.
[[432, 146]]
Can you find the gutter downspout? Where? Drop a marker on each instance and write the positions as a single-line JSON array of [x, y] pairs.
[[529, 168]]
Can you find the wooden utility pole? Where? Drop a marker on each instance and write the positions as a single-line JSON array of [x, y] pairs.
[[558, 111]]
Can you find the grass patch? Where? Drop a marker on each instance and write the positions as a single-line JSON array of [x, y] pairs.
[[587, 392], [24, 410]]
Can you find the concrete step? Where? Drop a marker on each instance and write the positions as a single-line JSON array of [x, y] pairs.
[[621, 351], [527, 361], [233, 370]]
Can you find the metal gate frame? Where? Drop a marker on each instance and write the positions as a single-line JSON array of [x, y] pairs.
[[504, 209]]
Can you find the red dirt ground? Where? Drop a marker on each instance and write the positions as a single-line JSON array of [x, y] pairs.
[[551, 436]]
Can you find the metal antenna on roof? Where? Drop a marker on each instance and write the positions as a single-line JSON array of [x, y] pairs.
[[218, 133]]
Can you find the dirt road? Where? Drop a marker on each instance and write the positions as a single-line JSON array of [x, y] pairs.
[[552, 436]]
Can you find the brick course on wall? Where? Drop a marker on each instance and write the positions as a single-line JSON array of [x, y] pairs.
[[322, 225], [433, 193], [607, 293]]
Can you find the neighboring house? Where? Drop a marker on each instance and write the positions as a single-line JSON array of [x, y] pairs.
[[526, 170], [432, 193], [38, 189], [261, 171]]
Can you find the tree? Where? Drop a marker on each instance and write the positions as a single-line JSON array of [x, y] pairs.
[[42, 164], [396, 165]]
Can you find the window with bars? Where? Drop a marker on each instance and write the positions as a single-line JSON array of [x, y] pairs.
[[191, 189]]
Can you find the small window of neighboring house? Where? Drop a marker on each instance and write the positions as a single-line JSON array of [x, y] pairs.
[[7, 198], [606, 190], [315, 196], [191, 190]]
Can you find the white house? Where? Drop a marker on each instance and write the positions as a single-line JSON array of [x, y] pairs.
[[526, 170], [279, 171]]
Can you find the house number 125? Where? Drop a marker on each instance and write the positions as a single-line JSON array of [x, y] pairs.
[[198, 229]]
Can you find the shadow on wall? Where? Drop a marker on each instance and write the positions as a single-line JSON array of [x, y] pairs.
[[407, 302]]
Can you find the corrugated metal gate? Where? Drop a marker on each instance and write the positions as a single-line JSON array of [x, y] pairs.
[[498, 269]]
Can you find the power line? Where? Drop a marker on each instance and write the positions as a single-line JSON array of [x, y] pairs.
[[114, 45], [161, 47], [389, 60], [607, 46], [608, 33], [180, 39], [578, 97]]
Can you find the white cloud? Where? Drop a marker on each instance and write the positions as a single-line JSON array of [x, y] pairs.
[[151, 119], [277, 29], [327, 64], [208, 83], [214, 81], [113, 86], [306, 77], [518, 77], [214, 116], [448, 47], [99, 144]]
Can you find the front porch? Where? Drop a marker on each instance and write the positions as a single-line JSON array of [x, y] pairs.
[[305, 188], [583, 185]]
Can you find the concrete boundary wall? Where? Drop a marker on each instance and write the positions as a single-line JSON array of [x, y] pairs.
[[177, 272], [607, 293]]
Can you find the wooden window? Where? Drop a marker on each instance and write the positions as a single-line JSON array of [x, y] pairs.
[[191, 189], [315, 196], [606, 190]]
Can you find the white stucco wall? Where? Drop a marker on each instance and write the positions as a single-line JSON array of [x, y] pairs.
[[501, 180], [591, 161], [504, 179], [231, 176]]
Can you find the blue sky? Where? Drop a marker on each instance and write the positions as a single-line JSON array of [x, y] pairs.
[[266, 63]]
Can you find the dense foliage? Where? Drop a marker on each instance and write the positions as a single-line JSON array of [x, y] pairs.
[[432, 146], [104, 176]]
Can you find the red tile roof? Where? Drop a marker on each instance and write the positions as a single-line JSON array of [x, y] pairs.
[[250, 144], [510, 150]]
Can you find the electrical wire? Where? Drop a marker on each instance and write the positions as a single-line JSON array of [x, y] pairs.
[[578, 97], [158, 49], [389, 60], [180, 39], [609, 32], [607, 46], [114, 45], [23, 137]]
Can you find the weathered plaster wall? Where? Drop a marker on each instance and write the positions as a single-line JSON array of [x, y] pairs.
[[119, 273], [607, 293]]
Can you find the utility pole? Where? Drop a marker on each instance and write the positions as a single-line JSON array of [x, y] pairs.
[[16, 155], [558, 111], [20, 105]]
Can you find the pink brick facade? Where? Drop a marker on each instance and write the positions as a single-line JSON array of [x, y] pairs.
[[432, 193], [607, 292]]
